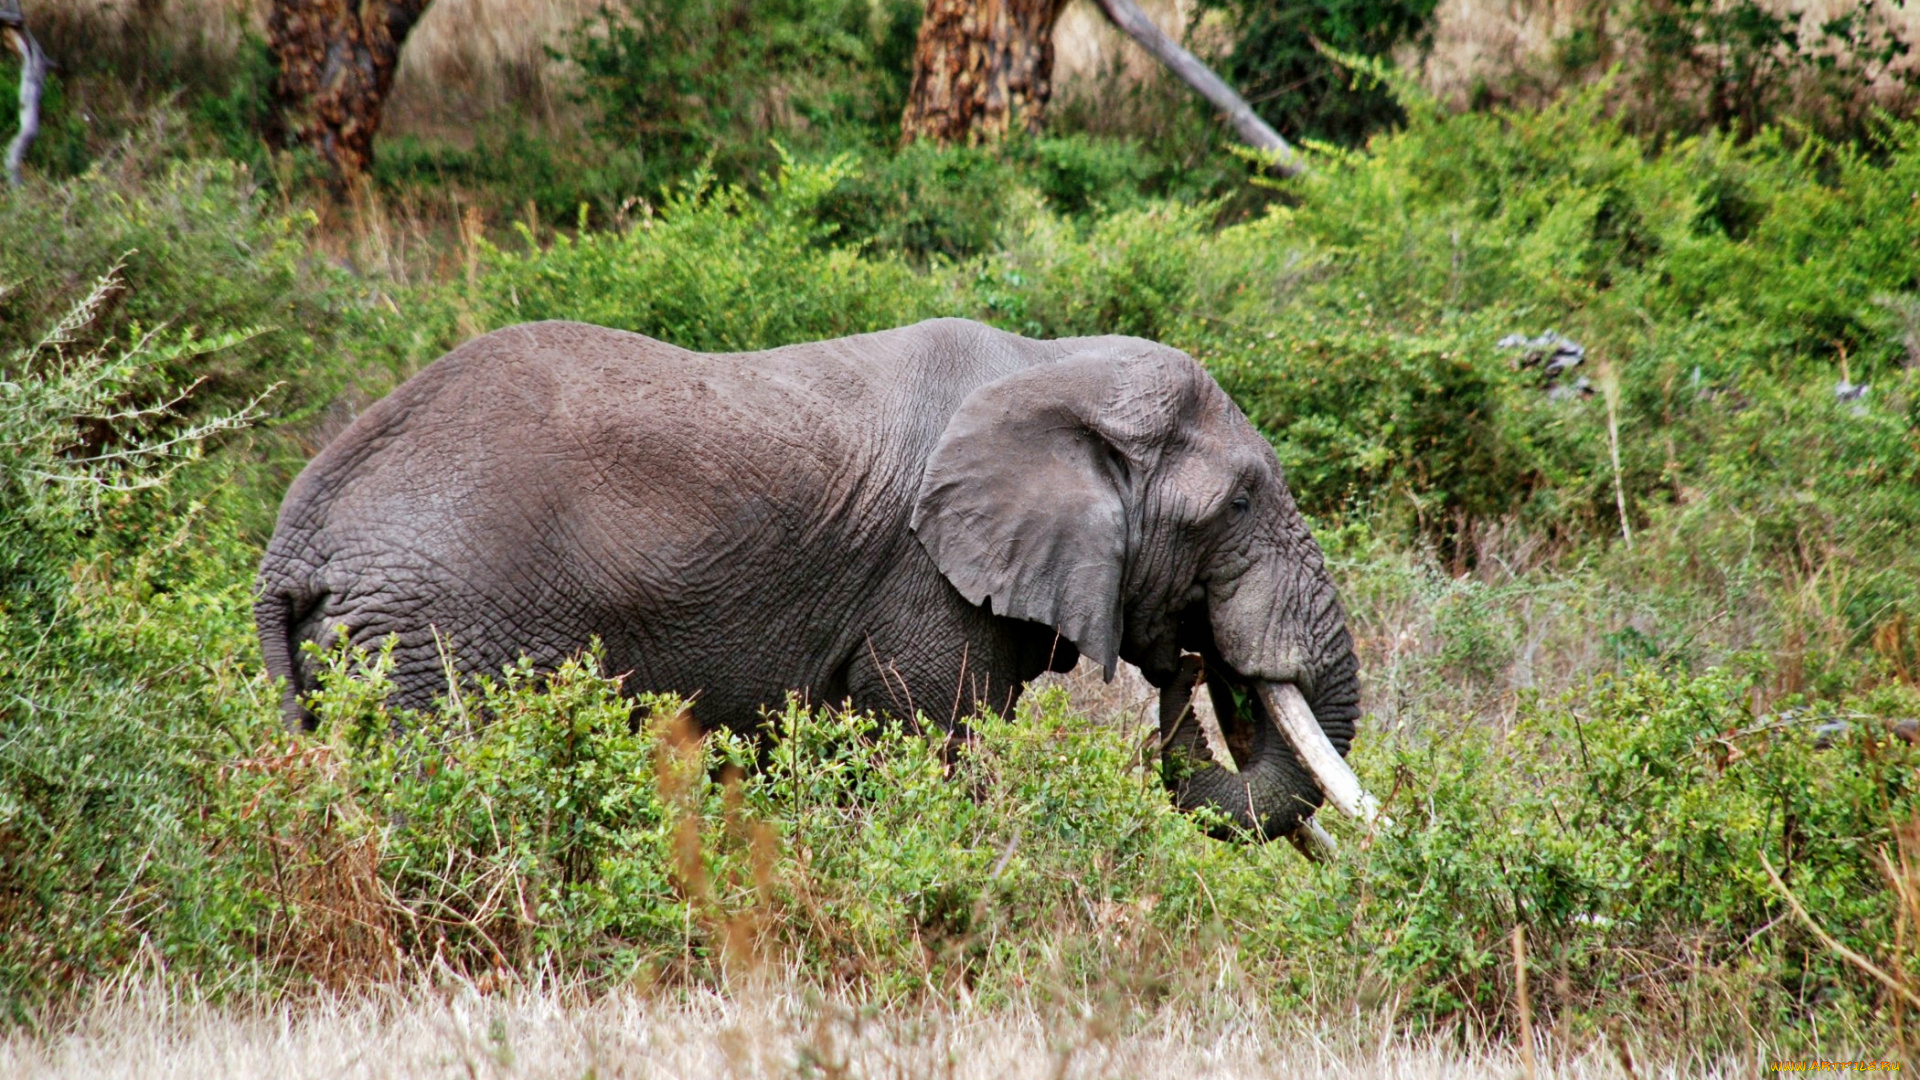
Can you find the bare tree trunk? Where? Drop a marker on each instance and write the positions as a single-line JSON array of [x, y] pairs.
[[980, 67], [1134, 23], [33, 76], [337, 59]]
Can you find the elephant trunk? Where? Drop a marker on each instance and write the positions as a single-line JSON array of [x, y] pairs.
[[1286, 762]]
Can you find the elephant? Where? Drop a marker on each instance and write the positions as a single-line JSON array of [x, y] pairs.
[[917, 522]]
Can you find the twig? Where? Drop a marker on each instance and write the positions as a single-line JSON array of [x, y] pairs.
[[1828, 940], [1520, 997], [1610, 387], [33, 77]]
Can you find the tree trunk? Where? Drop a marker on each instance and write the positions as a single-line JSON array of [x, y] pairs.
[[980, 67], [336, 59]]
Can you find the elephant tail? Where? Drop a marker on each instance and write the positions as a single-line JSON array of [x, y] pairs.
[[278, 613]]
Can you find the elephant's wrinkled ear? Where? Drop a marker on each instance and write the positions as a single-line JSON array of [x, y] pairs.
[[1023, 502]]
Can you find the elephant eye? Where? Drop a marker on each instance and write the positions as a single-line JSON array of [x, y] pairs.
[[1240, 504]]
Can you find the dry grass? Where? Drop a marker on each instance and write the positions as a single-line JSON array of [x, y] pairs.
[[454, 1030], [469, 58]]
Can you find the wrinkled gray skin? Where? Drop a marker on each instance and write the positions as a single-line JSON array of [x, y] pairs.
[[919, 519]]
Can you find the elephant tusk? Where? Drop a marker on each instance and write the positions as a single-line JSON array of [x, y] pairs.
[[1314, 750], [1312, 841]]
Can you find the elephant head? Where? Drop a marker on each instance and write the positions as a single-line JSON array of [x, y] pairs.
[[1119, 496]]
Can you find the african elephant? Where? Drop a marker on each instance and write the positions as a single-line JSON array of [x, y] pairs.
[[921, 519]]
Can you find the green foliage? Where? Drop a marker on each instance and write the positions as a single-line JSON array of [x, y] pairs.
[[69, 435], [1360, 326], [198, 249], [1626, 822], [928, 202], [924, 202], [531, 825], [714, 269], [234, 110], [1278, 59], [512, 166], [688, 82], [117, 682], [1044, 843], [529, 820]]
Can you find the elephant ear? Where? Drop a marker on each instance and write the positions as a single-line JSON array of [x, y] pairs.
[[1023, 505]]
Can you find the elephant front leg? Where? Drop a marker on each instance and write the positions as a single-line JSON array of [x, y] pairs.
[[928, 687]]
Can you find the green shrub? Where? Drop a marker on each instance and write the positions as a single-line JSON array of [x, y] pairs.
[[512, 166], [716, 270], [123, 639], [1624, 826], [199, 249], [926, 202], [1134, 272], [692, 81], [528, 821], [923, 202], [1277, 57]]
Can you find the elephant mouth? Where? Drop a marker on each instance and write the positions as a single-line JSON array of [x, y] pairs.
[[1284, 760]]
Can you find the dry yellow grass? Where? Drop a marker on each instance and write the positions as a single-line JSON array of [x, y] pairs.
[[454, 1031]]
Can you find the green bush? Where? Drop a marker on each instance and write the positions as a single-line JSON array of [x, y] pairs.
[[686, 82], [526, 822], [1361, 326], [199, 249], [1624, 825], [716, 269], [1278, 58], [923, 202], [123, 643], [929, 202], [530, 823], [512, 166]]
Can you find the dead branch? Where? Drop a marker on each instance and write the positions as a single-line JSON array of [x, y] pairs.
[[1134, 23], [1830, 942], [33, 76]]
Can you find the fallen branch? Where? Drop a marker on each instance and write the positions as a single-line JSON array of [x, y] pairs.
[[33, 77], [1829, 941], [1284, 159]]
